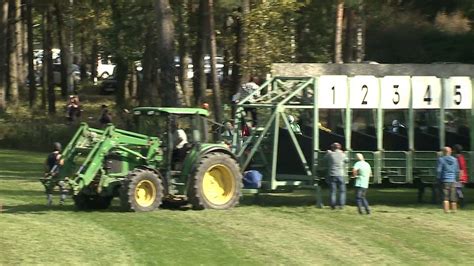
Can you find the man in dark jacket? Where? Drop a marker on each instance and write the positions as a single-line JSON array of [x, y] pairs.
[[52, 164], [448, 172]]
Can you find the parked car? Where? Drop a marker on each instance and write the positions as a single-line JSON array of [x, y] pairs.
[[105, 67], [76, 73], [109, 84]]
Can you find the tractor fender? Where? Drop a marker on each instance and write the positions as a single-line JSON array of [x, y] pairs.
[[160, 176]]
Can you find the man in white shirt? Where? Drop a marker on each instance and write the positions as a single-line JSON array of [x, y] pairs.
[[244, 91], [180, 139]]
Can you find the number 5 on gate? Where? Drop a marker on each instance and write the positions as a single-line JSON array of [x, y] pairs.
[[457, 93]]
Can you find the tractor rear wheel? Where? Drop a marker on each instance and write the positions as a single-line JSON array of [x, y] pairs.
[[142, 191], [216, 183]]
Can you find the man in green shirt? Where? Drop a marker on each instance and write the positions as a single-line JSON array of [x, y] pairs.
[[362, 173]]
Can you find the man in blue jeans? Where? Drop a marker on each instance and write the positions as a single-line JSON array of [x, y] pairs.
[[362, 173], [336, 159], [448, 173]]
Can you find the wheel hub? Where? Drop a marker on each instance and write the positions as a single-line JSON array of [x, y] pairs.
[[145, 193], [218, 184]]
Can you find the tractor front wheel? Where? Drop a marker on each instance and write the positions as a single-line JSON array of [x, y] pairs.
[[216, 183], [142, 191], [86, 202]]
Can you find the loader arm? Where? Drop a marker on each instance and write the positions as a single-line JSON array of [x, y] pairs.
[[111, 138]]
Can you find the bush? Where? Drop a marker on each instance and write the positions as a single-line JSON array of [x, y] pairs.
[[35, 136]]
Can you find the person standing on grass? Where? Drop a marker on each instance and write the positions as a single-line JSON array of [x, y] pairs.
[[361, 172], [52, 164], [105, 116], [448, 171], [463, 177], [336, 159]]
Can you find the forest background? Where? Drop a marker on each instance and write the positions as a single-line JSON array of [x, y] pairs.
[[154, 43]]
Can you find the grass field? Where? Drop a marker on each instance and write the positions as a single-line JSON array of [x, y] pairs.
[[280, 229]]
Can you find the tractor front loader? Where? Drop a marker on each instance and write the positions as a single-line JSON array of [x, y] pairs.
[[143, 170]]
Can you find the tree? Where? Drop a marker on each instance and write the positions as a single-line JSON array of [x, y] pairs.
[[121, 61], [13, 56], [48, 82], [182, 29], [199, 25], [215, 81], [3, 53], [338, 35], [31, 68], [64, 44], [147, 94], [166, 56]]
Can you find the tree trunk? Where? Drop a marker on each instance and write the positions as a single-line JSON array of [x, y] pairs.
[[360, 35], [348, 54], [95, 45], [66, 64], [121, 62], [31, 67], [183, 37], [13, 57], [338, 32], [19, 35], [241, 74], [200, 50], [216, 90], [166, 55], [48, 81], [146, 93], [3, 54]]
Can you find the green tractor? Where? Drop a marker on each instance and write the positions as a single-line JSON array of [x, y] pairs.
[[145, 169]]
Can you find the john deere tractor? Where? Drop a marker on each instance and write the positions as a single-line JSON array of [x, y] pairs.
[[144, 169]]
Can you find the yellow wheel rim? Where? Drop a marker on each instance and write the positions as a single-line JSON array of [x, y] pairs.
[[218, 184], [145, 193]]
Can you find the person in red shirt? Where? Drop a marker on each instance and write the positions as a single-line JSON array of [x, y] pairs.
[[463, 177]]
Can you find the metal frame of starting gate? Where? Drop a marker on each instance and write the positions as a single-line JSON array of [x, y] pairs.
[[260, 150]]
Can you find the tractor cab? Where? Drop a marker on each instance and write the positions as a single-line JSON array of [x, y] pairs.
[[179, 130]]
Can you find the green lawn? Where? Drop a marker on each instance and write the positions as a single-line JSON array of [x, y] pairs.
[[281, 229]]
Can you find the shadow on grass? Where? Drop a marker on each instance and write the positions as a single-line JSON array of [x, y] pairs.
[[35, 209], [388, 197]]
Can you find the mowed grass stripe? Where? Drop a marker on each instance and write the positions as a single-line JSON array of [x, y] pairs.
[[174, 237], [283, 230], [61, 238], [394, 236], [290, 239]]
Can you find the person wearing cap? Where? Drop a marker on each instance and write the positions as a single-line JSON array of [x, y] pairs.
[[448, 172], [336, 159], [294, 125], [361, 172], [52, 164]]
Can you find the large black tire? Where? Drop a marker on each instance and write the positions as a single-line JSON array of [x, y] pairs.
[[81, 201], [86, 202], [141, 192], [216, 183]]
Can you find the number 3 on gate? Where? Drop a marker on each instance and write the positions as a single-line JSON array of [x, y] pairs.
[[364, 92], [458, 93], [395, 92]]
